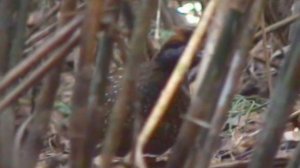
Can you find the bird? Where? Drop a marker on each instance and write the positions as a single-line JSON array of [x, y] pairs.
[[152, 78]]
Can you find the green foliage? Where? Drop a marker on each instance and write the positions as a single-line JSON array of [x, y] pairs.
[[242, 107], [63, 108]]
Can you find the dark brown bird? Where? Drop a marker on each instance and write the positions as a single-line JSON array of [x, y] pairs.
[[151, 80]]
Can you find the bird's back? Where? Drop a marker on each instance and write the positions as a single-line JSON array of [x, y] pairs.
[[151, 80]]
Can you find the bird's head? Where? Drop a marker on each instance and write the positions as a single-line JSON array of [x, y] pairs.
[[172, 50]]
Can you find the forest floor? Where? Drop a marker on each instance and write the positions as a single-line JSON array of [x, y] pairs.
[[245, 121]]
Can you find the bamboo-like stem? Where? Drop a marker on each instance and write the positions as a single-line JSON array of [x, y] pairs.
[[35, 76], [20, 34], [243, 44], [95, 111], [7, 8], [27, 155], [7, 119], [40, 35], [281, 105], [127, 96], [38, 126], [26, 65], [173, 83], [209, 80], [81, 156]]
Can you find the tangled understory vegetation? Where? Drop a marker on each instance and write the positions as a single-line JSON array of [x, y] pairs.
[[149, 84]]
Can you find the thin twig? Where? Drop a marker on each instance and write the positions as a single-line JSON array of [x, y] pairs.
[[277, 25], [40, 35]]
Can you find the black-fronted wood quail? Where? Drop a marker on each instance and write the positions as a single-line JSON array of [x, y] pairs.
[[151, 80]]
